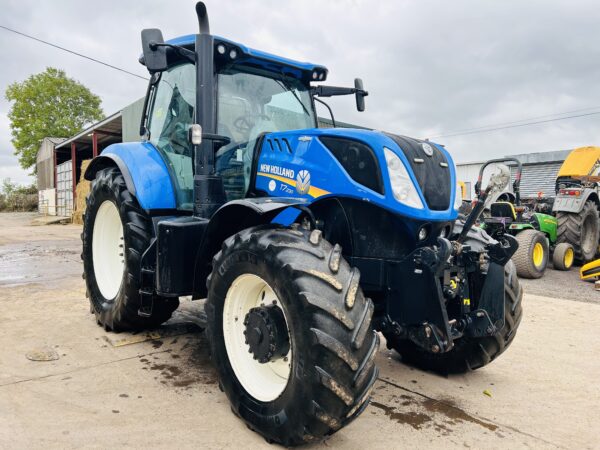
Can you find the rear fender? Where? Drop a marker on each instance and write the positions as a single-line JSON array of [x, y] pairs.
[[572, 204], [146, 174]]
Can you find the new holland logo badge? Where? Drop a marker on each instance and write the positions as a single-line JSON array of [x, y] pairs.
[[428, 149], [303, 182]]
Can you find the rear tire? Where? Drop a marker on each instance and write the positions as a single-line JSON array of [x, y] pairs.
[[470, 353], [581, 230], [563, 256], [531, 258], [331, 342], [113, 286]]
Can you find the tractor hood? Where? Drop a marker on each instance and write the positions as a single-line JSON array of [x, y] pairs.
[[408, 176]]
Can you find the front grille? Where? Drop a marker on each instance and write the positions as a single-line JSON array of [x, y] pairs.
[[432, 172]]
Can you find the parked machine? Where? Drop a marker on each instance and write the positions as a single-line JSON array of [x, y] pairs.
[[303, 240], [536, 232], [577, 202]]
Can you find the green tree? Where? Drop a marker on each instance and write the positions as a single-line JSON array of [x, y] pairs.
[[48, 104]]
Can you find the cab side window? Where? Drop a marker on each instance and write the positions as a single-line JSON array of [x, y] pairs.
[[171, 114]]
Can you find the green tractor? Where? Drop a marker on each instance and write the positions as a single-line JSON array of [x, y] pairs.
[[536, 232]]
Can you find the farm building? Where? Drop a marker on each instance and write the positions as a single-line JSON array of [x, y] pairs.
[[59, 160]]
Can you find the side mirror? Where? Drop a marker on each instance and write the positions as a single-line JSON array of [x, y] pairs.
[[155, 56], [500, 179], [360, 94]]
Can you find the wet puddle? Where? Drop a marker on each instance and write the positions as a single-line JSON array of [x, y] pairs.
[[420, 412], [182, 367], [39, 261]]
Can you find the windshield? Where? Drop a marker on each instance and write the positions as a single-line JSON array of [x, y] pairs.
[[251, 103]]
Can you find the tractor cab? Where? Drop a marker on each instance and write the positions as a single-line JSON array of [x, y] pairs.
[[253, 93]]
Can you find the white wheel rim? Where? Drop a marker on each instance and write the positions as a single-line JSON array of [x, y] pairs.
[[107, 250], [265, 382]]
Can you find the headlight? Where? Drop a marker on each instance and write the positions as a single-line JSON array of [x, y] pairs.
[[458, 197], [403, 188]]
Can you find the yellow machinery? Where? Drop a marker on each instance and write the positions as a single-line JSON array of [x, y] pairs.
[[590, 271], [583, 164], [577, 202]]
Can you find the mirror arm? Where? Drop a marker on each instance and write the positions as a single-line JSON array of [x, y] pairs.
[[187, 54], [330, 91], [326, 106], [151, 83]]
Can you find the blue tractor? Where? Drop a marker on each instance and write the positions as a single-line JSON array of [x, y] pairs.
[[304, 241]]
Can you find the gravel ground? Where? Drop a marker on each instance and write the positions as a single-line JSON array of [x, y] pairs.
[[567, 285]]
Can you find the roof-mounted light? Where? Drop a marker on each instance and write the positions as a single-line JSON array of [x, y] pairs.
[[221, 49]]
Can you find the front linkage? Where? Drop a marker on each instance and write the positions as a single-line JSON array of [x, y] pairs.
[[442, 280]]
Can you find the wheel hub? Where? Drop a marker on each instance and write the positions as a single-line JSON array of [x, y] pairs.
[[266, 333]]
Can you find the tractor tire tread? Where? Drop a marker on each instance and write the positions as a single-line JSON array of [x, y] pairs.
[[523, 257], [570, 231], [122, 313], [337, 367]]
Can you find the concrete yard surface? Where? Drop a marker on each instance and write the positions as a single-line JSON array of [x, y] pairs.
[[67, 383]]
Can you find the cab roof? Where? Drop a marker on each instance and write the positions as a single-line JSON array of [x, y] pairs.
[[266, 60]]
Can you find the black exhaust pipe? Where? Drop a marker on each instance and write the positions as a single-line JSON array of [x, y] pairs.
[[209, 193]]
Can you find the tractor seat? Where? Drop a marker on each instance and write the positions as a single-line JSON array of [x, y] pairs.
[[503, 210]]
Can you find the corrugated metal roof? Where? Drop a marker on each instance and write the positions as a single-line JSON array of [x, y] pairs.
[[112, 124]]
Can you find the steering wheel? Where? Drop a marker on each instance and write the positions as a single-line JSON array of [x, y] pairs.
[[245, 123]]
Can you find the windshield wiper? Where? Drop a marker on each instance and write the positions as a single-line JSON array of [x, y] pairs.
[[289, 88]]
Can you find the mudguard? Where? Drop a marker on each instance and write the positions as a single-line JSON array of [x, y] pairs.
[[233, 217], [145, 172], [573, 204]]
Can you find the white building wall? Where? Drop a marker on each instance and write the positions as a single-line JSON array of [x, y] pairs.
[[47, 202]]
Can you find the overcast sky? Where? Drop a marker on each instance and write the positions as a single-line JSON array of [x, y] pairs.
[[431, 67]]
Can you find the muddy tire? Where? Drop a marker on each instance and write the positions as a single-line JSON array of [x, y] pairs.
[[531, 258], [470, 353], [116, 232], [563, 256], [581, 230], [329, 371]]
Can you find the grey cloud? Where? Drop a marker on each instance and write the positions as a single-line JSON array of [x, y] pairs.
[[430, 66]]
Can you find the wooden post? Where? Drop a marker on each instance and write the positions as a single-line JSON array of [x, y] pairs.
[[94, 144], [74, 170], [55, 182]]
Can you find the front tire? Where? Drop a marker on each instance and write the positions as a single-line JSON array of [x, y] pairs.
[[470, 353], [563, 256], [116, 232], [331, 345], [531, 258]]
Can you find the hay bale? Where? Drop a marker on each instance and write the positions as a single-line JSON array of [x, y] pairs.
[[81, 192]]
